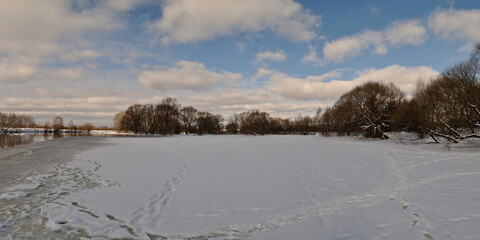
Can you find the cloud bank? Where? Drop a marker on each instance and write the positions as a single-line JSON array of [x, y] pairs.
[[398, 33], [455, 24], [186, 75], [185, 21], [318, 88]]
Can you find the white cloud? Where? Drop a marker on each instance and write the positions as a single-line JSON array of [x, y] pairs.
[[289, 110], [186, 75], [311, 87], [311, 57], [405, 78], [455, 24], [230, 97], [18, 70], [75, 73], [186, 21], [406, 32], [261, 73], [396, 34], [122, 5], [241, 46], [276, 56], [59, 104], [99, 110], [337, 73], [230, 101], [59, 93], [315, 87], [76, 55], [41, 28], [352, 46], [23, 69], [34, 26], [302, 89]]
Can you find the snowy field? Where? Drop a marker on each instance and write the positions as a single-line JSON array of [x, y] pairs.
[[238, 187]]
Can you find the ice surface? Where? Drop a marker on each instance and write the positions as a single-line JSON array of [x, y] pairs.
[[23, 186], [12, 195], [269, 187]]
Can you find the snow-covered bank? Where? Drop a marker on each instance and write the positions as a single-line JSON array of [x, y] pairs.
[[270, 187], [30, 136]]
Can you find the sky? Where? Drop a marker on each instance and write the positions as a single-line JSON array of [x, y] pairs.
[[85, 60]]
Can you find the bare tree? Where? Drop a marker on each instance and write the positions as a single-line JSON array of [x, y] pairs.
[[168, 111], [47, 127], [338, 120], [87, 127], [188, 117], [8, 122], [317, 118], [408, 118], [304, 125], [72, 127], [117, 121], [57, 124], [133, 118], [450, 103], [151, 122], [233, 124], [208, 123], [286, 125], [367, 108], [254, 122]]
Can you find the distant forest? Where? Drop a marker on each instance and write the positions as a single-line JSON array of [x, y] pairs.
[[13, 123], [445, 108]]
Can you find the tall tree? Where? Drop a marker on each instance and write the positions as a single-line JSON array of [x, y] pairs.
[[408, 118], [117, 121], [233, 124], [151, 119], [168, 112], [338, 119], [368, 107], [208, 123], [188, 117], [87, 127], [254, 122], [8, 121], [304, 125], [71, 126], [450, 103], [57, 124], [133, 118]]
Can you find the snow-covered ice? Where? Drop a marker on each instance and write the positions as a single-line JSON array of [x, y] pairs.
[[269, 187]]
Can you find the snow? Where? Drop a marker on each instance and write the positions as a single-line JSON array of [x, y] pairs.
[[110, 132], [18, 191], [269, 187]]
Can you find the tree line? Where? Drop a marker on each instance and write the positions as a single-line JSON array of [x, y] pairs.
[[12, 122], [447, 107], [169, 117]]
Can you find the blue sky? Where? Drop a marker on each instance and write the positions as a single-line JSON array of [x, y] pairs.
[[86, 60]]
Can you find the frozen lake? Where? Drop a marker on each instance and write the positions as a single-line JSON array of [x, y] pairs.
[[238, 187], [14, 140]]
